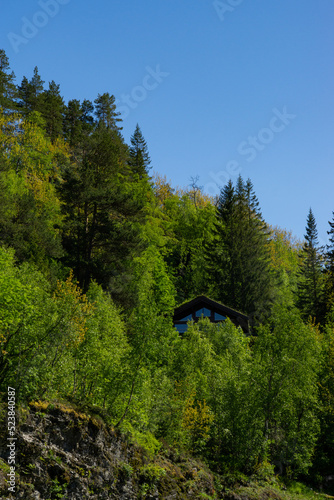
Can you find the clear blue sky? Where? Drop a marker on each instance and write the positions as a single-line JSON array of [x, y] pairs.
[[217, 87]]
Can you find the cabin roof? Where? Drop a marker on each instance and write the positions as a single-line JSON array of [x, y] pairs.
[[237, 317]]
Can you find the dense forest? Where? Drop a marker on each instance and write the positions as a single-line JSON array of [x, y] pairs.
[[96, 252]]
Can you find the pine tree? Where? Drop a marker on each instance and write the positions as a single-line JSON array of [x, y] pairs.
[[139, 157], [310, 286], [105, 111], [100, 208], [73, 122], [8, 89], [53, 108], [87, 119]]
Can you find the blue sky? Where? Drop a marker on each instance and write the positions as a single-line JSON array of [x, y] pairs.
[[217, 87]]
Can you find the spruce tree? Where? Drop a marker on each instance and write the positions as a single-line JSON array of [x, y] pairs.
[[29, 93], [139, 157], [8, 91], [239, 257], [329, 268], [310, 286]]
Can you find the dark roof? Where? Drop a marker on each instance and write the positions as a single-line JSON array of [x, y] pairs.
[[236, 317]]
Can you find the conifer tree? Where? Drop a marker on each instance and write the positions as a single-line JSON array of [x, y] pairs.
[[105, 111], [310, 287], [30, 91], [53, 108], [87, 119], [73, 122], [7, 86], [139, 156], [239, 257], [329, 269], [99, 209]]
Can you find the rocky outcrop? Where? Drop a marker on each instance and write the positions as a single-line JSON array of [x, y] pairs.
[[64, 454]]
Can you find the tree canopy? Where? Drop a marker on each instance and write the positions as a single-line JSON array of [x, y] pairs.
[[95, 254]]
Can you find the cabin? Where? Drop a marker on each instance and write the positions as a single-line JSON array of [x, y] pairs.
[[202, 306]]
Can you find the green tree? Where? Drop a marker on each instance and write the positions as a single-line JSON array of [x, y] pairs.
[[87, 118], [73, 123], [284, 259], [105, 111], [29, 93], [329, 268], [323, 462], [238, 257], [139, 157], [52, 109], [99, 361], [188, 227], [8, 89], [29, 208], [39, 329], [101, 210], [152, 338], [284, 389], [311, 283]]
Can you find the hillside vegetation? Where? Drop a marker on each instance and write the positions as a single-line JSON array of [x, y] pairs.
[[95, 253]]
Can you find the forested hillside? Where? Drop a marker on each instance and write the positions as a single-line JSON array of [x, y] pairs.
[[96, 251]]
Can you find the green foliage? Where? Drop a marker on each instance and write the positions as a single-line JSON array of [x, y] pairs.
[[38, 329], [285, 374], [188, 227], [329, 268], [238, 257], [311, 280], [284, 260], [101, 209], [139, 158], [8, 89], [105, 110], [144, 439], [75, 196], [30, 93], [52, 107], [99, 358], [29, 208], [152, 473]]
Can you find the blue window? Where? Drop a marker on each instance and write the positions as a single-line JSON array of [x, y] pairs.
[[187, 318], [181, 328], [219, 317], [203, 312]]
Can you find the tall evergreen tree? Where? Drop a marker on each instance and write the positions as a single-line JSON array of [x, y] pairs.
[[73, 122], [53, 108], [78, 122], [310, 286], [8, 89], [105, 111], [87, 110], [238, 259], [30, 91], [329, 268], [100, 210], [139, 157]]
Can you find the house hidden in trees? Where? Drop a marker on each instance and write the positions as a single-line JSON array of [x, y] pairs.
[[204, 307]]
